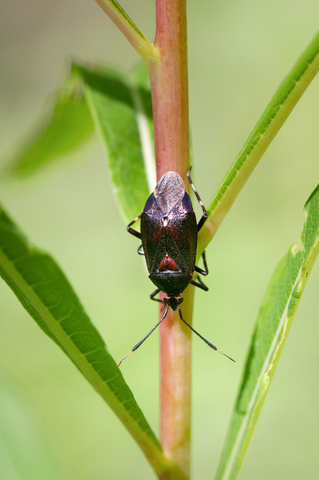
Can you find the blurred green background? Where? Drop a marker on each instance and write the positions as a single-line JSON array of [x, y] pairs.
[[239, 51]]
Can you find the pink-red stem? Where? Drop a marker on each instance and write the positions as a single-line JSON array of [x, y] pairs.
[[169, 86]]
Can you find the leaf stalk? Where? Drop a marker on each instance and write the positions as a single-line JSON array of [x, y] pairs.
[[125, 24]]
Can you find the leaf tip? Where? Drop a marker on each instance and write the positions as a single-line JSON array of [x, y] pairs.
[[316, 190]]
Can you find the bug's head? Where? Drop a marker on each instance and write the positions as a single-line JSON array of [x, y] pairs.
[[173, 301]]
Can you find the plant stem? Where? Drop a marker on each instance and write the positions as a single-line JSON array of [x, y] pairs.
[[169, 86], [176, 386], [166, 60]]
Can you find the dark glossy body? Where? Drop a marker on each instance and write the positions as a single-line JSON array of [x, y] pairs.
[[169, 238], [169, 235]]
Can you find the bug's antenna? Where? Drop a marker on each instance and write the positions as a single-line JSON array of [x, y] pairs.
[[149, 333], [206, 341]]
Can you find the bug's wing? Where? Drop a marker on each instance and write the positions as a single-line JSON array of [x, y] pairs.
[[169, 192], [174, 234], [151, 230], [182, 227]]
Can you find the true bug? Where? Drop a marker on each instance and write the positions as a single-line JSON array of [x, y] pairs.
[[169, 242]]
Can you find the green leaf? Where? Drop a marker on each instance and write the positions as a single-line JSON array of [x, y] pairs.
[[65, 125], [45, 293], [24, 451], [121, 109], [122, 113], [276, 113], [273, 323]]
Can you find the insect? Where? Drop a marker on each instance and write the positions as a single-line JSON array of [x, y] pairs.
[[169, 242]]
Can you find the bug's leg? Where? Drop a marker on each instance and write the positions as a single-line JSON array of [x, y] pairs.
[[204, 216], [143, 340], [140, 250], [204, 339], [199, 284], [131, 230], [200, 270], [156, 299]]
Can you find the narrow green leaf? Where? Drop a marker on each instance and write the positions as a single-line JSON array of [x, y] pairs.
[[122, 114], [65, 124], [273, 323], [121, 109], [276, 113], [141, 92], [45, 293]]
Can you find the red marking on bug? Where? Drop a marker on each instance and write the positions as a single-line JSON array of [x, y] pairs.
[[167, 264]]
